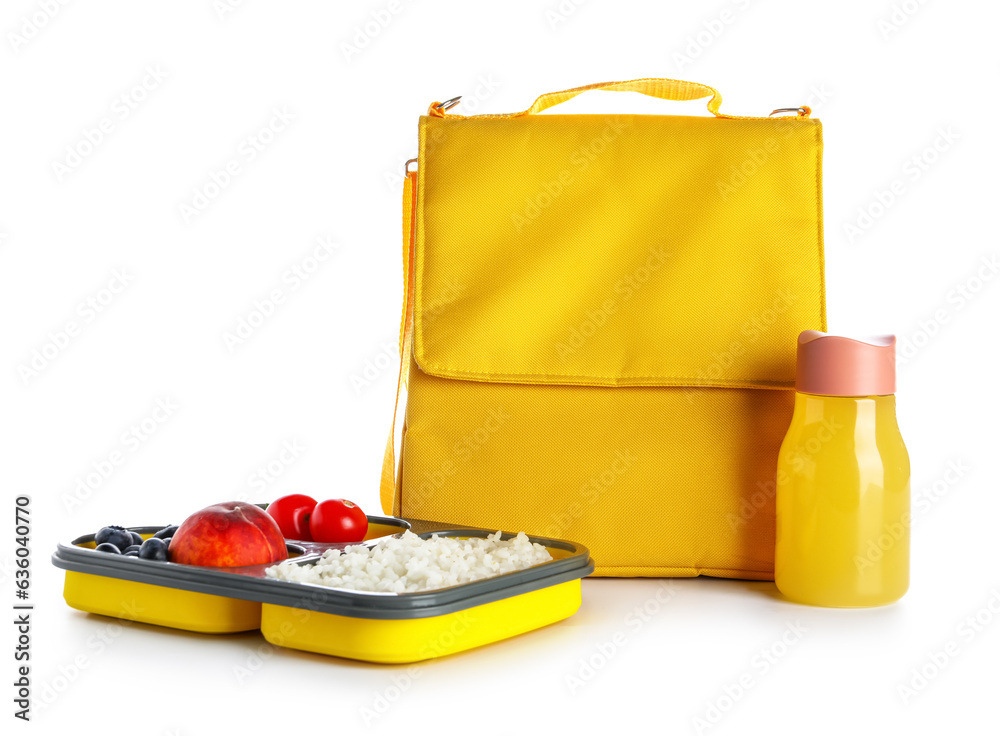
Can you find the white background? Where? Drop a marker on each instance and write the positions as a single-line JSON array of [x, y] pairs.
[[889, 80]]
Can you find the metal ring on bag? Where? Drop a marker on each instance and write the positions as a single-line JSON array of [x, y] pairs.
[[800, 111], [448, 104]]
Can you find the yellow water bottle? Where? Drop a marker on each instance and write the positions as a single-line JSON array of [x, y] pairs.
[[843, 481]]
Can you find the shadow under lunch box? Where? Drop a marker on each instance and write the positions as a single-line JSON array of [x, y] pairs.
[[374, 627]]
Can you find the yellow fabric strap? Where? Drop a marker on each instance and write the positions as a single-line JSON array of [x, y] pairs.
[[387, 490], [664, 89]]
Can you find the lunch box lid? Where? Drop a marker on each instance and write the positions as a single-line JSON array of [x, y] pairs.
[[249, 583]]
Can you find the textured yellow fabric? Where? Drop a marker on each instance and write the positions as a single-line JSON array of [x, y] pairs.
[[604, 315], [615, 250], [651, 479]]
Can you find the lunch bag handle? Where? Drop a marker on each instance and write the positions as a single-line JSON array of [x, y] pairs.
[[664, 89]]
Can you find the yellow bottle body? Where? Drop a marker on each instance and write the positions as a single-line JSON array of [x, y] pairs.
[[843, 503]]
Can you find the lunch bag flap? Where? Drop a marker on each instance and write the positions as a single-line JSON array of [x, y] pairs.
[[617, 250]]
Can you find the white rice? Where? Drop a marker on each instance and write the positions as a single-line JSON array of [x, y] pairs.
[[409, 564]]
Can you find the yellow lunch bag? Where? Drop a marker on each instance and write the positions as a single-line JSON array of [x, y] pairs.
[[599, 326]]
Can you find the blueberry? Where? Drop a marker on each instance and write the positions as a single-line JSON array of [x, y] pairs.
[[131, 548], [167, 531], [153, 549], [131, 553], [115, 535], [136, 539], [108, 547]]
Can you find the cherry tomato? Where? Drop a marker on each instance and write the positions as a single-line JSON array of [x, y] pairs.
[[292, 515], [338, 520]]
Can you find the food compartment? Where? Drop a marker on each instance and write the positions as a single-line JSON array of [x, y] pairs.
[[400, 641], [130, 589], [154, 604], [410, 627], [141, 590]]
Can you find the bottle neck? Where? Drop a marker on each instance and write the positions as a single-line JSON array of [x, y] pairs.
[[843, 426], [844, 410]]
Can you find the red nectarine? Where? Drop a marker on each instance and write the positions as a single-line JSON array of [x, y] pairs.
[[231, 534]]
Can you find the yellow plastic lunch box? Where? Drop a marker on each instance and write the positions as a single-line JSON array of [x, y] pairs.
[[373, 627]]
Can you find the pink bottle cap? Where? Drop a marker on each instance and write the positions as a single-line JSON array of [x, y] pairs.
[[831, 365]]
